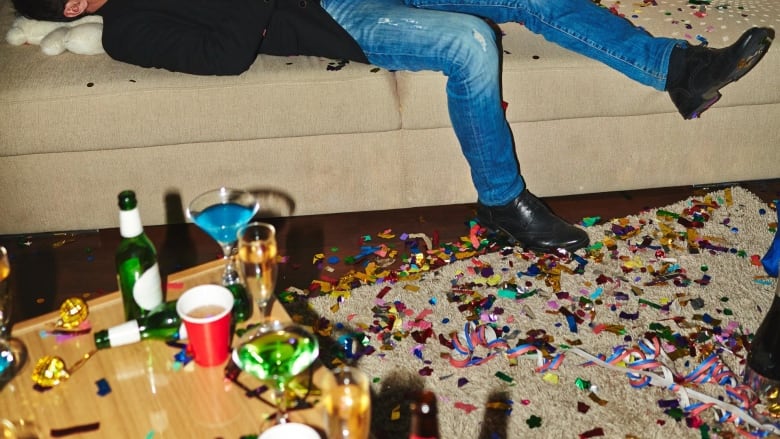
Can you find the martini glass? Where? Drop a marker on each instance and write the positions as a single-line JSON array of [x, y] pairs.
[[220, 213], [275, 353]]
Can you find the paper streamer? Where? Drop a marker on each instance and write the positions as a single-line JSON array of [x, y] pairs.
[[645, 365]]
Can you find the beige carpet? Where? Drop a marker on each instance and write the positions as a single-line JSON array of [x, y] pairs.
[[693, 284]]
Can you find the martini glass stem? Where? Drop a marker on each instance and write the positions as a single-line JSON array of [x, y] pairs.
[[281, 403], [242, 308], [230, 275]]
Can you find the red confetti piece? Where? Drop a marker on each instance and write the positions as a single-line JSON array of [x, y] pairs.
[[468, 408], [582, 407]]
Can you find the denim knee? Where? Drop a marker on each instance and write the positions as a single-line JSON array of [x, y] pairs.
[[473, 49]]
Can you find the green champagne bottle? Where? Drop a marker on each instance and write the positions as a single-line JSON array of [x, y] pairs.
[[138, 273], [163, 323], [242, 305]]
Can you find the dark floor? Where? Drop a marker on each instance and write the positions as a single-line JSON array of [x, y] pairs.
[[50, 267]]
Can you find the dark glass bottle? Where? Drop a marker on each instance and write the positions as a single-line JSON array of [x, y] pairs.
[[163, 323], [425, 418], [138, 273], [242, 304], [762, 371], [763, 362]]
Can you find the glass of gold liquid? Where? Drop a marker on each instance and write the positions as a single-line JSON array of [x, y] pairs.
[[13, 353], [347, 400], [5, 294]]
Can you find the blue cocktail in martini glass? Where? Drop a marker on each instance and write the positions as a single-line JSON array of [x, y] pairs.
[[220, 213]]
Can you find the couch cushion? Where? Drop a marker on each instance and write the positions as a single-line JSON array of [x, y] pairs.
[[545, 82], [114, 105]]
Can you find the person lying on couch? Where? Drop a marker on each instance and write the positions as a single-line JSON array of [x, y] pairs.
[[455, 37]]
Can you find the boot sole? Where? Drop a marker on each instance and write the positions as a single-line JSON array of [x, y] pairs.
[[512, 240], [753, 51]]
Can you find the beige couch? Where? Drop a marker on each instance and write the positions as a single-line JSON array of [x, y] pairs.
[[75, 130]]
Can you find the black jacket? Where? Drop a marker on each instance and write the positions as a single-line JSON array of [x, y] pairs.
[[220, 37]]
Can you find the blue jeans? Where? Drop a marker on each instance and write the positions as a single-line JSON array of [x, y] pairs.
[[448, 36]]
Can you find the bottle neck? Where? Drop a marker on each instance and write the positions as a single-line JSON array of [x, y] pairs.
[[425, 423], [130, 224]]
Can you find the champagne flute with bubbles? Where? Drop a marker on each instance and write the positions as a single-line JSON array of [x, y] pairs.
[[219, 213], [13, 353], [275, 353], [257, 253], [5, 294]]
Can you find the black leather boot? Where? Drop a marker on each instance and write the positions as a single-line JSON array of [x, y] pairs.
[[696, 74], [530, 222]]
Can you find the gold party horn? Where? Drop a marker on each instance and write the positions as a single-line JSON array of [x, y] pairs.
[[50, 370]]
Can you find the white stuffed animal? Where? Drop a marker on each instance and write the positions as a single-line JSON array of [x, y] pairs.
[[82, 36]]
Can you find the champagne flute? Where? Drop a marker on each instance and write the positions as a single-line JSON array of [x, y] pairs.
[[13, 353], [347, 400], [5, 294], [257, 252], [275, 353], [220, 212]]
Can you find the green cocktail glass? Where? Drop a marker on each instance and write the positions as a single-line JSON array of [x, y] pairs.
[[275, 353]]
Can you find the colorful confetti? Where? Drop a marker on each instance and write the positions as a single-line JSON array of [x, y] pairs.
[[497, 300]]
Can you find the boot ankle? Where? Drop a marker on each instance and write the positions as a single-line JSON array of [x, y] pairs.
[[676, 71]]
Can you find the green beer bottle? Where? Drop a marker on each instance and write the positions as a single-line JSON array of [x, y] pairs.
[[138, 273], [163, 323]]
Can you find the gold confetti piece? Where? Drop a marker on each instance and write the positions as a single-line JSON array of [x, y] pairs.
[[396, 413], [464, 255], [596, 399], [550, 378], [411, 287], [773, 402], [693, 237], [64, 241], [325, 287]]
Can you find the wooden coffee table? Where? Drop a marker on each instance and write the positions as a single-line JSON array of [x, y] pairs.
[[150, 397]]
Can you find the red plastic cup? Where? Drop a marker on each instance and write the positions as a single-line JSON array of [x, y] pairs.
[[205, 311]]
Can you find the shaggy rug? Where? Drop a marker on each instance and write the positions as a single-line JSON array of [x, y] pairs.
[[643, 334]]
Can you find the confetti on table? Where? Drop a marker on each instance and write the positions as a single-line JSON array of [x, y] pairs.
[[77, 429], [103, 387]]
